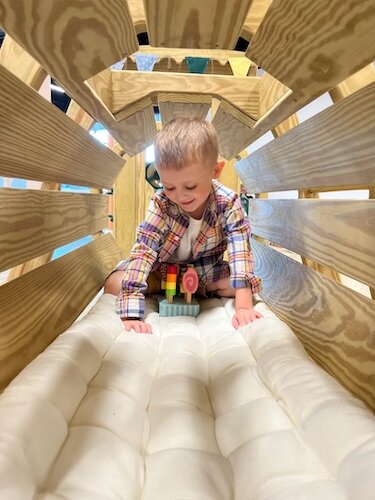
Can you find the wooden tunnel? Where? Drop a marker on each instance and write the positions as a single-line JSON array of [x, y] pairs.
[[292, 53]]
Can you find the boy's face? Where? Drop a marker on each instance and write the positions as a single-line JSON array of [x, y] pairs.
[[190, 186]]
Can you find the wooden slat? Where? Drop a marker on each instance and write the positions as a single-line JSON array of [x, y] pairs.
[[137, 12], [212, 24], [137, 131], [79, 115], [21, 64], [232, 128], [185, 105], [52, 147], [73, 39], [335, 324], [45, 220], [271, 92], [311, 45], [131, 198], [334, 148], [339, 234], [254, 17], [130, 86], [35, 308], [355, 82]]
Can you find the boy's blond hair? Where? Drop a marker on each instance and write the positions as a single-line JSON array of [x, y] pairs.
[[183, 140]]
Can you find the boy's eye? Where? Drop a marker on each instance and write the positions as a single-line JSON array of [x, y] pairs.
[[190, 187], [168, 189]]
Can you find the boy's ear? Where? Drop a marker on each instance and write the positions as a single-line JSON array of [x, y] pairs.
[[218, 169]]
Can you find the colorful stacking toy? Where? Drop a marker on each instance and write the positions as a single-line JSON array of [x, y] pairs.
[[177, 305]]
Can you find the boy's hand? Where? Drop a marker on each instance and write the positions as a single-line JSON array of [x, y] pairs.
[[244, 316], [137, 325]]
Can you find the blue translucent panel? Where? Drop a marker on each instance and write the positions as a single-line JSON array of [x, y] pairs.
[[1, 182], [59, 252]]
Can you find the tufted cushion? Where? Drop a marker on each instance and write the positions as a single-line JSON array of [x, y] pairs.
[[195, 411]]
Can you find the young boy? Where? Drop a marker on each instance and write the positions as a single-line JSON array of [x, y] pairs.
[[194, 219]]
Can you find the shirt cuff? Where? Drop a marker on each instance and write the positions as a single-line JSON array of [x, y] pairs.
[[249, 280], [130, 305]]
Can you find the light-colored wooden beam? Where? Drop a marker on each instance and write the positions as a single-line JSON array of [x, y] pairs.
[[213, 24], [183, 105], [132, 194], [79, 115], [339, 234], [335, 324], [83, 39], [51, 148], [232, 128], [129, 87], [46, 220], [318, 154], [355, 82], [311, 46], [47, 310], [21, 64], [254, 17]]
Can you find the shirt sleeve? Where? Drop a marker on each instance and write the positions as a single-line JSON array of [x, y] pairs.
[[241, 261], [150, 237]]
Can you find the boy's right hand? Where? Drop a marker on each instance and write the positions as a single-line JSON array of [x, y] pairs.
[[137, 325]]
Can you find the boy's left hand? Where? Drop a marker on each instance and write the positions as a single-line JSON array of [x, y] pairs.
[[244, 316]]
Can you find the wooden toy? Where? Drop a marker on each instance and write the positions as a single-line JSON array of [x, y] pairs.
[[184, 305]]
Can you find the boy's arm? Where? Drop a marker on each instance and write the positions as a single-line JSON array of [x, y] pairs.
[[150, 237], [241, 261]]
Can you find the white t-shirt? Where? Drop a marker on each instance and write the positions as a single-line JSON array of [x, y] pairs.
[[183, 251]]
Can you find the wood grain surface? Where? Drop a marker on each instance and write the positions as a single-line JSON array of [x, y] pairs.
[[337, 233], [132, 194], [212, 24], [21, 64], [138, 130], [35, 222], [72, 39], [184, 105], [335, 324], [43, 303], [233, 129], [51, 147], [254, 17], [311, 45], [130, 86], [334, 148]]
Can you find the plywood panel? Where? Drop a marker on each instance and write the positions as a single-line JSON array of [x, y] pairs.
[[233, 130], [130, 86], [35, 308], [72, 39], [335, 324], [21, 64], [52, 147], [311, 45], [319, 153], [210, 24], [339, 234], [183, 105], [254, 17], [79, 115], [35, 222], [137, 131], [131, 198]]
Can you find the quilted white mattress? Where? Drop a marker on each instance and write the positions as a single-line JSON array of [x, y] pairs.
[[196, 411]]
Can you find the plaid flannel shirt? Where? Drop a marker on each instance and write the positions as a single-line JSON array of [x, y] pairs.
[[224, 227]]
